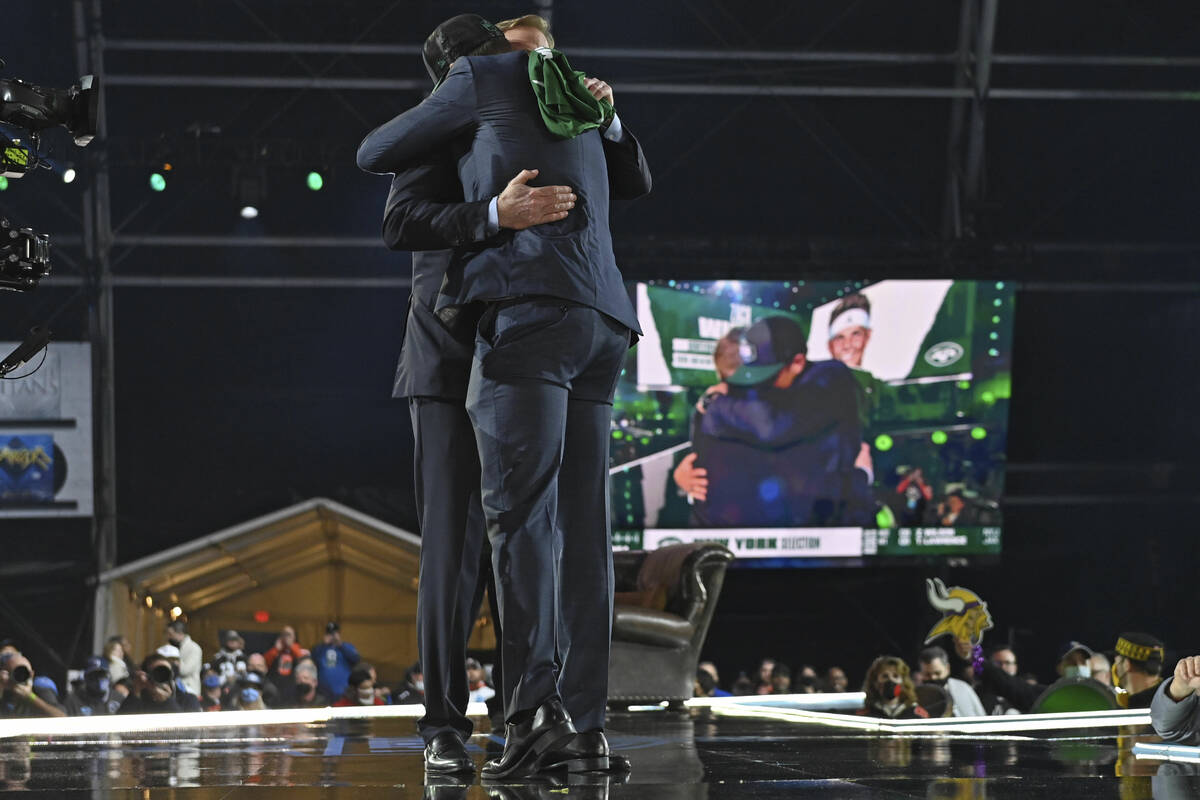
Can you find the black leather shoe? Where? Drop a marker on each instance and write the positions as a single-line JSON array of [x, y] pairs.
[[587, 752], [526, 742], [446, 755]]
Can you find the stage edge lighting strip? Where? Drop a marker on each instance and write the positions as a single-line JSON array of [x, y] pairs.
[[132, 723], [967, 725], [1167, 752]]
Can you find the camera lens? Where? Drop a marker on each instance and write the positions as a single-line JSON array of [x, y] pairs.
[[21, 674], [162, 674]]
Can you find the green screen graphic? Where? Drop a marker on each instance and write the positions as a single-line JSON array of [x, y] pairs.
[[901, 400]]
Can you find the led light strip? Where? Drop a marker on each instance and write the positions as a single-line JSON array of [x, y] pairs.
[[130, 723], [942, 725], [1167, 752], [812, 702]]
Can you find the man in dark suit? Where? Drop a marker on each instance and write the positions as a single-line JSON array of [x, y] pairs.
[[426, 214], [552, 335]]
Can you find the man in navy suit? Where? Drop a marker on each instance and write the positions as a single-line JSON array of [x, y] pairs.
[[563, 398]]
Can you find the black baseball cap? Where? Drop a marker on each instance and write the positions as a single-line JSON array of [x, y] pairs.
[[766, 347], [454, 38], [331, 627]]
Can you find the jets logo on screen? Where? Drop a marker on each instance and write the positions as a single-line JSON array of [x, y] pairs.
[[943, 354]]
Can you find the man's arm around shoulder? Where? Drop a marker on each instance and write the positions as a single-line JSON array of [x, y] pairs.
[[423, 129]]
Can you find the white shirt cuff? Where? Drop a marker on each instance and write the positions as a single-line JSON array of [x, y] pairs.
[[493, 223], [615, 131]]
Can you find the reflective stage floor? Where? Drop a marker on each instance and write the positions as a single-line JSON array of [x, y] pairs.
[[700, 753]]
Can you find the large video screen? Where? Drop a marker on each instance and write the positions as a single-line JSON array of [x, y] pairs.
[[815, 423]]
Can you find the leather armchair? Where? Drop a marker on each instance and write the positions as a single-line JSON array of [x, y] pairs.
[[655, 652]]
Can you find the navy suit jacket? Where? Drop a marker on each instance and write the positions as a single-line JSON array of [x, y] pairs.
[[489, 100]]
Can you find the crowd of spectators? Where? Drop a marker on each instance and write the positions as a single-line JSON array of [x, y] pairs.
[[951, 681], [176, 677]]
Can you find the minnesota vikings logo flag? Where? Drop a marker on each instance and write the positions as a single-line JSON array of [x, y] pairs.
[[964, 615]]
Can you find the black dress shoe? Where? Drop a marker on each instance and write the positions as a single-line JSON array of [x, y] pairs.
[[525, 743], [587, 752], [446, 755]]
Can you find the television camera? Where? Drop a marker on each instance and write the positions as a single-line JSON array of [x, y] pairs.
[[25, 112]]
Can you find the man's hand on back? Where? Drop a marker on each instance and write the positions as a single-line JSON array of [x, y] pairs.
[[521, 206]]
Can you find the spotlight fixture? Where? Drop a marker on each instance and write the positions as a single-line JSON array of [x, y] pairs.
[[315, 181], [69, 175], [157, 182], [249, 190]]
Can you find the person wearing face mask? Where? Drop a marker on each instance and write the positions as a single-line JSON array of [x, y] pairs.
[[360, 691], [249, 693], [154, 690], [1137, 669], [305, 693], [256, 665], [93, 697], [935, 669], [1074, 662], [20, 694], [413, 690], [211, 692], [890, 692]]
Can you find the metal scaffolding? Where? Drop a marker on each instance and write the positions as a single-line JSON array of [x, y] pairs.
[[971, 91]]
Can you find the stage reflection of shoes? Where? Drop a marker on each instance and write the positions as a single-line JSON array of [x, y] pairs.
[[446, 755], [510, 791], [525, 743], [587, 752], [446, 787], [587, 784]]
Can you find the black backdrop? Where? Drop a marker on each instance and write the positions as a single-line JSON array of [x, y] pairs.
[[236, 402]]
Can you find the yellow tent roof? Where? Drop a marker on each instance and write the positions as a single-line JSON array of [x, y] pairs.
[[268, 550]]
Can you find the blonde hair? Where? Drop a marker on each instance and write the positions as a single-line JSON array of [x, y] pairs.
[[727, 357], [529, 21]]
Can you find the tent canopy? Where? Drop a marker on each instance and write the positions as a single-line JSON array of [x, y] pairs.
[[300, 566]]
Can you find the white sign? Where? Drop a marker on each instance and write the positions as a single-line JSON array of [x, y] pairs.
[[766, 542]]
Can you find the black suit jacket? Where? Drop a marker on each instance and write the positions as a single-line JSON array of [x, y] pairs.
[[489, 100], [426, 213]]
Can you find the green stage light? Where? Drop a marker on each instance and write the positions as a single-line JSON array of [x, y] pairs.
[[996, 319], [315, 181], [988, 398], [939, 437], [883, 442], [993, 336], [964, 384], [997, 302], [158, 182], [993, 352], [978, 433], [999, 284], [3, 184]]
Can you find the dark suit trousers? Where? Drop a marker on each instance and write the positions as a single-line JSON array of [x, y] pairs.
[[540, 398], [454, 557]]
